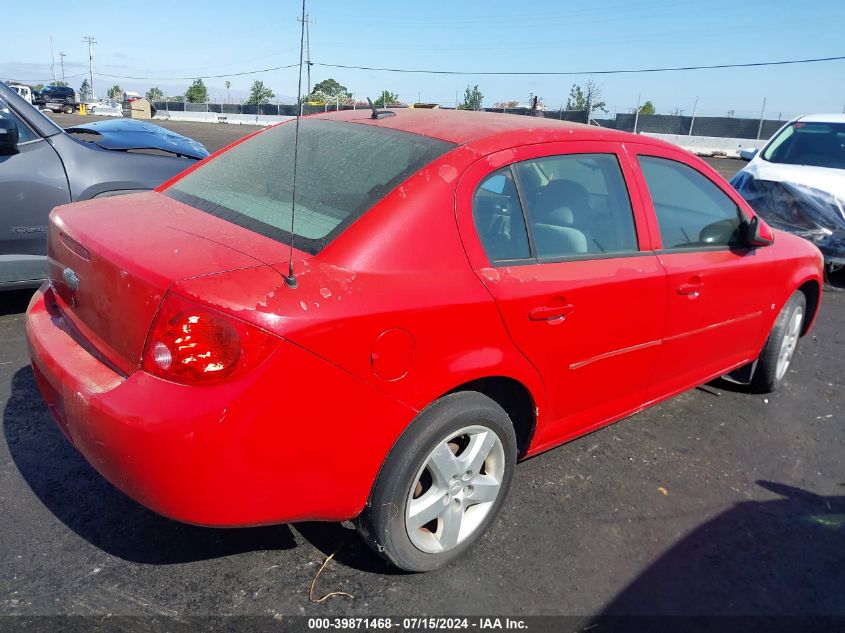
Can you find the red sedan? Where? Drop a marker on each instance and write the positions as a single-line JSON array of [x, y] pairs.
[[468, 289]]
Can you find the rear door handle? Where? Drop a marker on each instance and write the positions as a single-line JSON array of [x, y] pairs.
[[692, 287], [550, 313]]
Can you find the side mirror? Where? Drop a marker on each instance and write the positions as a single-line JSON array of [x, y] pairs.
[[758, 233], [748, 153], [8, 137]]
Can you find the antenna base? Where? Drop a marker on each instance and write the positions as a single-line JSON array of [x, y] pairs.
[[290, 281]]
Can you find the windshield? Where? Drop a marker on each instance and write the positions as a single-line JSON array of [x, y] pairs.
[[343, 170], [816, 144]]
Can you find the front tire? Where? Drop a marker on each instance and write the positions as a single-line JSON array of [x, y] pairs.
[[442, 484], [776, 357]]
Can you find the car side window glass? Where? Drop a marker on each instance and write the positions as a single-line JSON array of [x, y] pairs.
[[498, 218], [692, 211], [577, 205], [24, 133]]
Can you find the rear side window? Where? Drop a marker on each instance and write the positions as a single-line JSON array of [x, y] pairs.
[[343, 169], [498, 218], [578, 205], [692, 212]]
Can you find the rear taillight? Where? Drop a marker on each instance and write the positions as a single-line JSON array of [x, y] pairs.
[[190, 343]]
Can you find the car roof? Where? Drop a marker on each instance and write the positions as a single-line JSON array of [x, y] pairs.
[[490, 130], [822, 118]]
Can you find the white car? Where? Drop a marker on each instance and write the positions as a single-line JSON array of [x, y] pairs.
[[112, 107], [797, 183]]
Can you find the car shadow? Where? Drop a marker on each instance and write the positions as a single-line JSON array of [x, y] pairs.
[[97, 511], [769, 558], [348, 548], [15, 301], [105, 517]]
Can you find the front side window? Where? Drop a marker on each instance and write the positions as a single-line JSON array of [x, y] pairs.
[[578, 205], [816, 144], [343, 169], [692, 211]]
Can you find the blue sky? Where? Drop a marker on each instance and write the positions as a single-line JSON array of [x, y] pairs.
[[190, 38]]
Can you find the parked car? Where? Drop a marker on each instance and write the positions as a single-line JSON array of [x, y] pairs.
[[57, 98], [797, 182], [110, 107], [460, 290], [43, 166]]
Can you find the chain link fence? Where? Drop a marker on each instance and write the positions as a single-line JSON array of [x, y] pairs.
[[716, 126]]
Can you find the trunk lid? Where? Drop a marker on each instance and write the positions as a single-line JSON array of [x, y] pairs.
[[111, 261]]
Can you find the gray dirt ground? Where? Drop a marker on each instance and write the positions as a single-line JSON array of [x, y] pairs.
[[715, 502]]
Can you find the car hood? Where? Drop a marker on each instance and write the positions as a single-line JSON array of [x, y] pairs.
[[130, 134], [805, 200], [825, 179]]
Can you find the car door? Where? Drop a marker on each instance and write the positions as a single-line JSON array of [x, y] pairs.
[[32, 182], [719, 292], [551, 231]]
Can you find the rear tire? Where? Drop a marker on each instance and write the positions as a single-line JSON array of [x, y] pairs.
[[68, 109], [442, 484], [777, 354]]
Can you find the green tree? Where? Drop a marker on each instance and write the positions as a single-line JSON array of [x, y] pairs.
[[647, 108], [472, 99], [115, 92], [329, 91], [37, 87], [506, 105], [197, 92], [154, 94], [580, 97], [59, 83], [386, 99], [176, 99], [85, 91], [259, 94]]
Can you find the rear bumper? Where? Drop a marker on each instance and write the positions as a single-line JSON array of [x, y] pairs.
[[296, 439]]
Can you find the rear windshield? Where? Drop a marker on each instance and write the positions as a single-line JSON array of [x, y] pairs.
[[343, 169]]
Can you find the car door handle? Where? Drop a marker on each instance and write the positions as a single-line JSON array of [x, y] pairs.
[[692, 287], [550, 313]]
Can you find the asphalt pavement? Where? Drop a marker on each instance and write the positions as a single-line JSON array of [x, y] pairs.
[[716, 502]]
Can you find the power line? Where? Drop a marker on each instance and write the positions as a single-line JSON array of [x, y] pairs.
[[585, 72], [248, 72], [487, 73]]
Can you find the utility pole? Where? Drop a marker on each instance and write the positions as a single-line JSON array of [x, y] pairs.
[[62, 58], [308, 22], [637, 112], [52, 60], [91, 42], [762, 115], [694, 109]]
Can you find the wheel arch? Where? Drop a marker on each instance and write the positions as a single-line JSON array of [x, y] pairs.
[[514, 397], [812, 293]]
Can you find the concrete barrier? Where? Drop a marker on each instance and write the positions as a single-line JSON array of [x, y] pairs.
[[709, 145], [216, 117]]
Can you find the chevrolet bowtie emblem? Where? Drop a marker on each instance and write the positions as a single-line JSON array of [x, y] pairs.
[[71, 279]]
